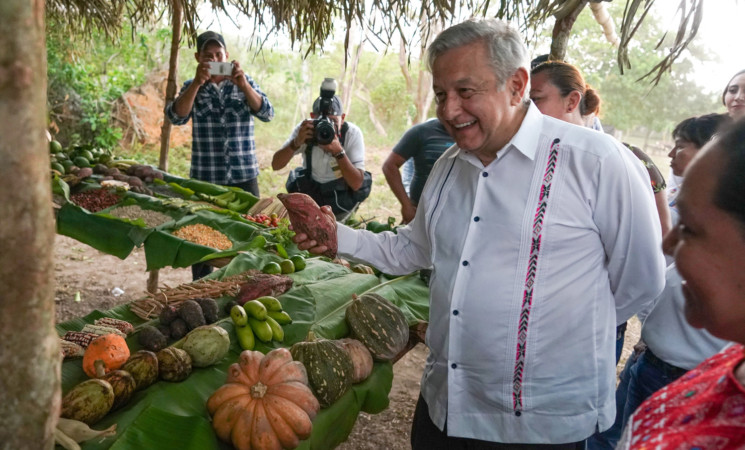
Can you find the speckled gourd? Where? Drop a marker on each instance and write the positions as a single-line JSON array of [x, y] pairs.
[[329, 367], [379, 324]]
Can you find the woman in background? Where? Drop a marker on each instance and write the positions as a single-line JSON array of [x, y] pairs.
[[733, 96], [705, 408]]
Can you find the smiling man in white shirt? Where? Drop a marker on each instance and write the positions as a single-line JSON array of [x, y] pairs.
[[543, 236]]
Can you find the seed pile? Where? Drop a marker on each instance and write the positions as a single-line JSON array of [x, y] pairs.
[[152, 218], [204, 235], [95, 200]]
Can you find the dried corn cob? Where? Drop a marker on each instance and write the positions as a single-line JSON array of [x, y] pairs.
[[79, 337], [71, 349], [102, 330], [121, 325]]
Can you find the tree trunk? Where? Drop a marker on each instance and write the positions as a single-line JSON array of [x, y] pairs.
[[29, 348], [424, 92], [562, 30], [165, 131], [349, 77]]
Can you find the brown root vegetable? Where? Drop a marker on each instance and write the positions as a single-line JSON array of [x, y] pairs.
[[85, 172], [306, 217], [262, 285], [134, 181]]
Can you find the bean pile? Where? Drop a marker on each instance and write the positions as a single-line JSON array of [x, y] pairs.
[[95, 200], [152, 218], [204, 235]]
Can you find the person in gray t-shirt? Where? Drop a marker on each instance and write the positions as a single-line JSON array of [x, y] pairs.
[[424, 143]]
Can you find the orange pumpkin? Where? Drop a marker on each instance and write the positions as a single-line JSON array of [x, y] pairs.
[[106, 353], [265, 404]]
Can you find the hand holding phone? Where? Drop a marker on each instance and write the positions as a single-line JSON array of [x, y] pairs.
[[221, 68]]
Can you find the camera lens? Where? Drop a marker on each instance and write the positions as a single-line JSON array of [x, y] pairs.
[[324, 131]]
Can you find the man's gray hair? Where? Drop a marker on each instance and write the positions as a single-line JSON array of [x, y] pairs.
[[507, 51]]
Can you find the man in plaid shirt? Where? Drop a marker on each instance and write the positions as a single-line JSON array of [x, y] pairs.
[[222, 109]]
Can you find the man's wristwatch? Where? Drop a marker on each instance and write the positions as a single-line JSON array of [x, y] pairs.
[[339, 155]]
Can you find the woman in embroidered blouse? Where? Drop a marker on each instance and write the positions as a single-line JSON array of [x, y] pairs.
[[705, 408]]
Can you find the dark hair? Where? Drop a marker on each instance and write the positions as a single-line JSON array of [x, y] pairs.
[[699, 130], [567, 79], [726, 86], [731, 188], [540, 59]]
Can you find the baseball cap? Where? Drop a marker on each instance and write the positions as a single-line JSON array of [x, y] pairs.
[[336, 109], [208, 36]]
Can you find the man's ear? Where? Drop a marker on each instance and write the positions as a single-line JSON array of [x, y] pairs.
[[196, 56], [312, 116], [517, 84], [343, 116]]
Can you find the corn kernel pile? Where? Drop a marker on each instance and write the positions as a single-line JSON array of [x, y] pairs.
[[204, 235]]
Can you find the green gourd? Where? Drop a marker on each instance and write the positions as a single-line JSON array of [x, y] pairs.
[[379, 324], [329, 368]]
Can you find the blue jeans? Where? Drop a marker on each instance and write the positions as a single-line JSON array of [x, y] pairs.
[[641, 377], [620, 336]]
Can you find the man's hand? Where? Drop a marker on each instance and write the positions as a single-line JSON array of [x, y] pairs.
[[304, 133], [333, 147], [408, 211], [203, 73], [304, 243], [239, 77]]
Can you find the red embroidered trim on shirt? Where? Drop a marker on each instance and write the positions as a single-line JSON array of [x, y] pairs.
[[522, 337]]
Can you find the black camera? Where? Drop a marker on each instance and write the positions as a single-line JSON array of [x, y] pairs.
[[324, 129]]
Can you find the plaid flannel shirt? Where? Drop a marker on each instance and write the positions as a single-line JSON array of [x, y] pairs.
[[223, 149]]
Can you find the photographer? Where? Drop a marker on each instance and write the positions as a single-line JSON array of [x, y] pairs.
[[222, 108], [333, 150], [222, 102]]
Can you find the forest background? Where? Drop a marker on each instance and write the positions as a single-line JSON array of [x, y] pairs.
[[381, 87]]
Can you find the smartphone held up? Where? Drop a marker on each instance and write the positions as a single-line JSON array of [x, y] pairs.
[[221, 68]]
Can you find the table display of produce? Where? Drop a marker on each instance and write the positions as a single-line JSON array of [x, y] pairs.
[[213, 388], [271, 351], [177, 221]]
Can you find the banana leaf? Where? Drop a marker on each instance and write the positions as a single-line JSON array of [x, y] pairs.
[[108, 235], [173, 415]]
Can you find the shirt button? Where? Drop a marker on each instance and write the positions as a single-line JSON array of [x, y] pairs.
[[465, 263], [476, 219], [454, 366], [455, 313], [484, 174], [518, 413]]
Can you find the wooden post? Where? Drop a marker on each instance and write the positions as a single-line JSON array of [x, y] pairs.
[[152, 281], [165, 131]]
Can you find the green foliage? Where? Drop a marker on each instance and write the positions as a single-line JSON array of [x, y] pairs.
[[85, 78], [627, 102]]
